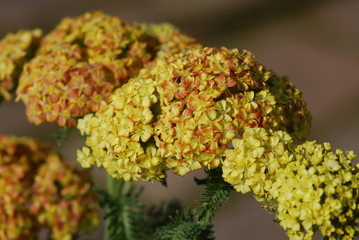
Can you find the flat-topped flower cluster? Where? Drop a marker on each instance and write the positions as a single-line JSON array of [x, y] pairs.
[[39, 190], [150, 99], [308, 187], [72, 70], [15, 50], [183, 113]]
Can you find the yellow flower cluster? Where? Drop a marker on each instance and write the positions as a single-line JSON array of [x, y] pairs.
[[253, 162], [62, 199], [15, 49], [208, 97], [18, 156], [308, 187], [77, 65], [319, 189], [105, 40], [204, 99], [38, 190], [121, 137], [83, 60]]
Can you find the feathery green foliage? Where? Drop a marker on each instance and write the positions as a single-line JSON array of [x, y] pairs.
[[196, 224], [184, 226], [160, 215], [125, 218], [214, 196]]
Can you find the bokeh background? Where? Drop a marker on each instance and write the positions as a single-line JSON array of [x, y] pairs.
[[315, 43]]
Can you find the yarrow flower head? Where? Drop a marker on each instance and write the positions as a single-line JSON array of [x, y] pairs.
[[204, 99], [39, 190], [62, 199], [15, 50], [121, 137], [318, 189], [77, 65], [83, 60], [18, 156], [253, 162], [307, 187]]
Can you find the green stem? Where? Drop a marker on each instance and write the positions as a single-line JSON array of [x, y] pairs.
[[114, 189], [118, 189]]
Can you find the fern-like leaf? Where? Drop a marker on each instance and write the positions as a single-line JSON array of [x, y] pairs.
[[125, 216], [183, 226], [214, 196]]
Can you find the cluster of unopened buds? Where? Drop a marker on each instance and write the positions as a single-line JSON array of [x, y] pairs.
[[39, 190], [150, 99]]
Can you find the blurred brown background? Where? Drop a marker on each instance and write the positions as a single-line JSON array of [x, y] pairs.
[[313, 42]]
